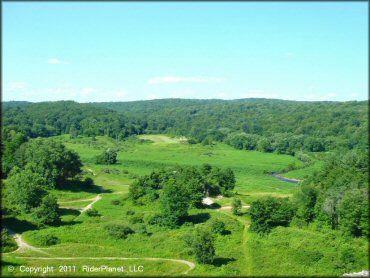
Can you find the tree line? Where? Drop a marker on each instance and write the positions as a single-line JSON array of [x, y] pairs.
[[252, 124], [334, 198]]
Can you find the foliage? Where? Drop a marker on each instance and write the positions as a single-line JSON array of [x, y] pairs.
[[174, 204], [203, 246], [218, 227], [115, 202], [54, 118], [24, 189], [267, 213], [47, 213], [8, 244], [47, 240], [92, 212], [11, 140], [337, 196], [263, 124], [118, 231], [49, 159], [236, 206], [108, 157], [196, 181]]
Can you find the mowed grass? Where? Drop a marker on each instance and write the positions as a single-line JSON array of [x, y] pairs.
[[84, 236]]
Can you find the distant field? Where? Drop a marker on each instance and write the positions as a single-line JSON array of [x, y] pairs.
[[163, 139]]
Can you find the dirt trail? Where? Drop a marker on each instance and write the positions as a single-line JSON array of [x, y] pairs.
[[230, 207], [209, 201], [89, 206], [191, 265], [77, 201], [91, 171], [24, 246]]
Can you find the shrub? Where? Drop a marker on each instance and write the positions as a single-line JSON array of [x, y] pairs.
[[130, 212], [218, 227], [203, 246], [93, 212], [118, 231], [8, 244], [269, 212], [115, 202], [236, 206], [155, 220], [136, 219], [89, 182], [47, 213], [108, 157], [141, 229], [47, 240]]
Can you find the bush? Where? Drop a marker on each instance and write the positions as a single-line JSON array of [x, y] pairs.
[[130, 212], [136, 219], [141, 229], [218, 227], [93, 212], [115, 202], [155, 220], [118, 231], [47, 213], [267, 213], [236, 206], [8, 244], [89, 182], [47, 240], [108, 157], [203, 246]]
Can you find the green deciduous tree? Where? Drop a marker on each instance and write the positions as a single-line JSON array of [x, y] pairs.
[[236, 206], [267, 213], [48, 212], [174, 204], [24, 189], [108, 157], [203, 246], [49, 159]]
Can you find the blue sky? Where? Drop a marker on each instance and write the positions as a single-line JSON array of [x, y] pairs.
[[91, 51]]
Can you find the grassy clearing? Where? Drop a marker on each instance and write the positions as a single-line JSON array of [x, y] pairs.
[[237, 253], [302, 252], [162, 139]]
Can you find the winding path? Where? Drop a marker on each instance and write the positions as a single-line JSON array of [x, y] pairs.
[[191, 265], [24, 246], [89, 206]]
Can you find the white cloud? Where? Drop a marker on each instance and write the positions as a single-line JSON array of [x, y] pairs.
[[189, 79], [56, 61], [15, 86], [87, 91]]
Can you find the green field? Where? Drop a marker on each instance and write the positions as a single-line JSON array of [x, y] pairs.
[[83, 240]]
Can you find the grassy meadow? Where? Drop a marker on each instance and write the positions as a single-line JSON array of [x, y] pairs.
[[83, 239]]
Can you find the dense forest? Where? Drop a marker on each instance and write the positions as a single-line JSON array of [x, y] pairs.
[[252, 124]]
